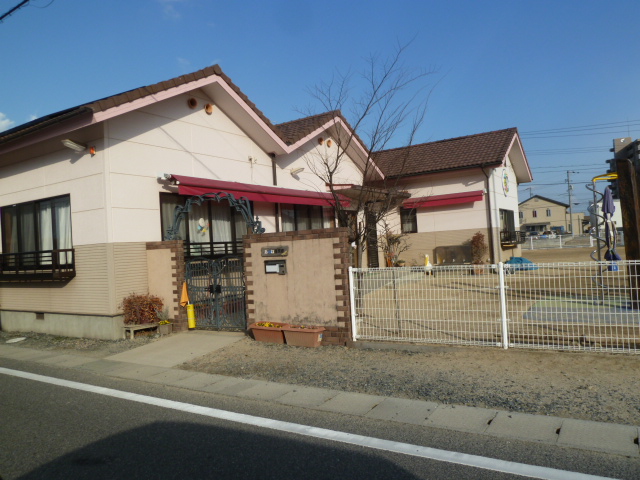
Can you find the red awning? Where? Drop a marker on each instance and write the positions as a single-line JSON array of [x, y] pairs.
[[440, 200], [257, 193]]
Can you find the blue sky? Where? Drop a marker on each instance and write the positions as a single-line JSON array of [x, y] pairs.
[[537, 65]]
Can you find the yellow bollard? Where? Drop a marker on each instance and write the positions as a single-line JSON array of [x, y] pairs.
[[191, 316]]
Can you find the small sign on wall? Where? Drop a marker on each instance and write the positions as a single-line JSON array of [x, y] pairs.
[[280, 251]]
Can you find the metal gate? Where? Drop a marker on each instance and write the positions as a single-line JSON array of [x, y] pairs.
[[217, 291]]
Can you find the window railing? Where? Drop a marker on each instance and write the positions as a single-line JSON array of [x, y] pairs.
[[42, 265], [512, 237], [213, 249]]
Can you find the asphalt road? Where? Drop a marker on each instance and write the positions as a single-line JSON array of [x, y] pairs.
[[49, 431]]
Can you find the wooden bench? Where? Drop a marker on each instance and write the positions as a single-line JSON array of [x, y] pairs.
[[134, 328]]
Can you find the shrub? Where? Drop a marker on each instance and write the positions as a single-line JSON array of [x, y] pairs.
[[139, 309], [479, 248]]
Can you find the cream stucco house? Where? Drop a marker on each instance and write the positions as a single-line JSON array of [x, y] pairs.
[[458, 187], [83, 192], [88, 194]]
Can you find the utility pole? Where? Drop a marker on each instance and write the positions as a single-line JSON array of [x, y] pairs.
[[569, 172]]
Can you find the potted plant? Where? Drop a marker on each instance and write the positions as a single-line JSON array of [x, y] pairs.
[[303, 336], [268, 331], [392, 244], [479, 250], [165, 327]]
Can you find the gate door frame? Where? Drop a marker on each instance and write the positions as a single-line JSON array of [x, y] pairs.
[[216, 286]]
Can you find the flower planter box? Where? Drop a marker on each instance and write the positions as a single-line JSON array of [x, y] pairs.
[[165, 329], [300, 336], [268, 334]]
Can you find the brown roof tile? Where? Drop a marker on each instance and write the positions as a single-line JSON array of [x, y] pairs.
[[482, 149], [296, 129]]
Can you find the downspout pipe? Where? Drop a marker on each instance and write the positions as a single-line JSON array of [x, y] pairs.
[[489, 215], [274, 175]]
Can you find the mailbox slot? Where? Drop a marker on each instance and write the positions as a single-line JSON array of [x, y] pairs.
[[275, 266]]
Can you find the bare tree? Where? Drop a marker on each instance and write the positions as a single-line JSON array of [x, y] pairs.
[[392, 243], [384, 104]]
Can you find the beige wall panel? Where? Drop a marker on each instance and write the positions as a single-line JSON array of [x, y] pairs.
[[136, 225], [86, 193], [89, 227], [144, 129], [131, 191], [230, 170], [306, 294], [425, 243], [77, 165], [130, 270], [87, 293], [220, 143], [147, 160], [91, 291], [160, 278], [59, 166], [176, 108], [84, 326], [451, 217]]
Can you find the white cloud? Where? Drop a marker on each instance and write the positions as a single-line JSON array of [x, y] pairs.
[[33, 116], [5, 122], [169, 9]]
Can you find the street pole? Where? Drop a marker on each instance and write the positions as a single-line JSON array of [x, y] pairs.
[[569, 172]]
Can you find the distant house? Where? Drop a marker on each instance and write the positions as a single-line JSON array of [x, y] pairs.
[[458, 187], [539, 214]]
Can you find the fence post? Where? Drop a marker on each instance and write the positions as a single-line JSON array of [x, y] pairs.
[[352, 299], [503, 308]]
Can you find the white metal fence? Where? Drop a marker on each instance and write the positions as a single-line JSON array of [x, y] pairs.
[[564, 241], [563, 306]]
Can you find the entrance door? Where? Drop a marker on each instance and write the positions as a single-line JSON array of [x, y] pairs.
[[217, 291]]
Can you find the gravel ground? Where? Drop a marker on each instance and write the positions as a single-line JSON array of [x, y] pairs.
[[599, 387], [589, 386], [77, 346]]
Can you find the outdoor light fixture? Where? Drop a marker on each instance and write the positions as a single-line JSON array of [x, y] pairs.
[[296, 171], [78, 147]]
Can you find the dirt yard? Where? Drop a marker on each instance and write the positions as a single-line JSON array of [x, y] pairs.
[[599, 387]]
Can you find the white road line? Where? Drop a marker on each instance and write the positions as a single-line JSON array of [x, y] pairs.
[[485, 463]]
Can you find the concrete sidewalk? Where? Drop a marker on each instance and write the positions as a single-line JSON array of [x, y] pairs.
[[152, 363], [176, 349]]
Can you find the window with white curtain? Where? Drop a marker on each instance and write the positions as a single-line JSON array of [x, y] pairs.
[[211, 228], [408, 220], [38, 226]]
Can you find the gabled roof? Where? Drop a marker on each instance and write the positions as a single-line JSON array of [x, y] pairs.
[[119, 99], [281, 139], [472, 151], [562, 204]]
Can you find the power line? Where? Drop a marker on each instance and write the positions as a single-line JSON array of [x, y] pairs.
[[555, 130], [17, 7], [564, 136]]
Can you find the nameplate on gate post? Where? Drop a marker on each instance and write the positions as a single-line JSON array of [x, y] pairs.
[[279, 251]]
